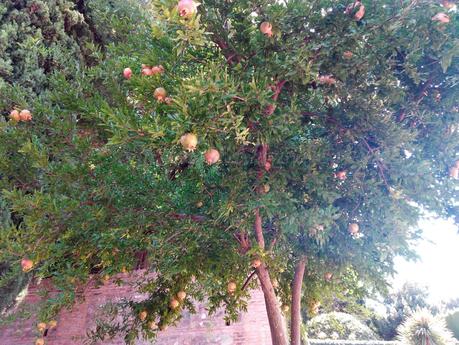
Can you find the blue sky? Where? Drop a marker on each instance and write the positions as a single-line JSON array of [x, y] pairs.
[[438, 267]]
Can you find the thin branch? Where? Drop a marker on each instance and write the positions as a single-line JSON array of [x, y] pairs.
[[249, 278]]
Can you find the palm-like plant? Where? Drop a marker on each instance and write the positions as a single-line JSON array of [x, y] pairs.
[[422, 328]]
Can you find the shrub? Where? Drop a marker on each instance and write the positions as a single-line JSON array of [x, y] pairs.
[[339, 326], [422, 328]]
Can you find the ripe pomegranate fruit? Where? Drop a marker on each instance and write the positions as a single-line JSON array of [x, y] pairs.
[[174, 304], [160, 94], [14, 115], [143, 315], [348, 54], [212, 156], [157, 69], [341, 175], [26, 265], [454, 172], [199, 204], [187, 8], [328, 276], [127, 73], [353, 228], [52, 324], [189, 141], [441, 17], [152, 325], [327, 79], [231, 288], [181, 295], [256, 263], [40, 341], [268, 165], [269, 109], [41, 327], [25, 115], [360, 13], [147, 71], [266, 29]]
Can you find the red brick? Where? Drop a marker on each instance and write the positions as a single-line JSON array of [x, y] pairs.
[[198, 329]]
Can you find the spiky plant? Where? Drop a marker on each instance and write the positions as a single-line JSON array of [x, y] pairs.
[[422, 328]]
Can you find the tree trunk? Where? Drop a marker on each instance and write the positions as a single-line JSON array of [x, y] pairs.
[[276, 321], [295, 327]]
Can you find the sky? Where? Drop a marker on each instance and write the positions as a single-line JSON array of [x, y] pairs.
[[438, 267]]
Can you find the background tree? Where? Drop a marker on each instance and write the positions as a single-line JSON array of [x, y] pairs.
[[37, 40], [303, 155], [399, 306]]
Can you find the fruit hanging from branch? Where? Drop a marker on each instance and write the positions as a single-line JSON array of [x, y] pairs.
[[256, 263], [143, 315], [212, 156], [14, 116], [231, 287], [127, 73], [353, 229], [181, 295], [160, 94], [174, 304], [189, 141], [266, 28], [441, 18], [341, 175], [187, 8], [26, 265], [25, 115], [41, 327]]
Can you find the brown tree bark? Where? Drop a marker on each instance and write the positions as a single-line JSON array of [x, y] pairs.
[[295, 327], [273, 310]]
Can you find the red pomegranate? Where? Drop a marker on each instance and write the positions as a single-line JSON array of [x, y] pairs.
[[147, 71], [26, 265], [256, 263], [181, 295], [266, 29], [187, 8], [127, 73], [25, 115], [348, 54], [212, 156], [441, 17], [341, 175]]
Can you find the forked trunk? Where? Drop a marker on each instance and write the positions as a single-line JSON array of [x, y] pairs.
[[295, 327], [273, 310]]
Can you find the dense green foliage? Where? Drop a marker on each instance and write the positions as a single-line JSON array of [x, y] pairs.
[[99, 177], [39, 39]]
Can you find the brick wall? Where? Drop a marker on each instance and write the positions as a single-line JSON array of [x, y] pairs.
[[197, 329]]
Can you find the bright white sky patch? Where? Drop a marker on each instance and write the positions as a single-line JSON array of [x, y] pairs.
[[438, 267]]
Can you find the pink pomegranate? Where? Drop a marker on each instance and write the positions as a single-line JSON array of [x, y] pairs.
[[212, 156], [187, 8], [127, 73], [441, 17], [266, 29]]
